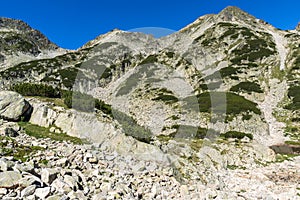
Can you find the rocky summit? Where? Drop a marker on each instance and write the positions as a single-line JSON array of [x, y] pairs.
[[209, 112]]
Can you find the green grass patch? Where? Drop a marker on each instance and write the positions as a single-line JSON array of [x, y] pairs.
[[292, 142], [41, 132], [19, 152]]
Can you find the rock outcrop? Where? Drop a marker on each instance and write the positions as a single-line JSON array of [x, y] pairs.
[[13, 106], [96, 129]]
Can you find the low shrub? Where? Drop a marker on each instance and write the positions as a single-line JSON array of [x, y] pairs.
[[237, 135], [246, 87], [131, 128], [30, 89]]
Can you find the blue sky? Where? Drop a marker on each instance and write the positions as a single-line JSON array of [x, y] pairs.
[[71, 23]]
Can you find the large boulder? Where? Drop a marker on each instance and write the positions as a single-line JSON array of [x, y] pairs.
[[42, 114], [13, 106]]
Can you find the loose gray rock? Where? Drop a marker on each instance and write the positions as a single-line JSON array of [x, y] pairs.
[[28, 191], [48, 175]]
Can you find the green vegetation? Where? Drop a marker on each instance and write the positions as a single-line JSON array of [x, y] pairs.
[[163, 94], [56, 101], [283, 157], [237, 135], [188, 132], [232, 103], [76, 100], [68, 76], [168, 99], [30, 89], [292, 142], [131, 128], [246, 87], [294, 95], [230, 72], [85, 102], [41, 132], [150, 59], [170, 54], [234, 167], [253, 50], [19, 152]]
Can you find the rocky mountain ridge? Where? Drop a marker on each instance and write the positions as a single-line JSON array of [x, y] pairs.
[[19, 40]]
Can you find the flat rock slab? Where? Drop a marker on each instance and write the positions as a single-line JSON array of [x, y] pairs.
[[9, 179]]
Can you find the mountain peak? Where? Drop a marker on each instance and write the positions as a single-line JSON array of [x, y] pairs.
[[232, 13]]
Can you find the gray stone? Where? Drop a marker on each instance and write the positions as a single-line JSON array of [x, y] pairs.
[[70, 181], [9, 179], [93, 160], [13, 106], [184, 190], [29, 180], [49, 175], [3, 165], [61, 162], [77, 195], [28, 191], [105, 186], [55, 197], [61, 186], [140, 166], [100, 196]]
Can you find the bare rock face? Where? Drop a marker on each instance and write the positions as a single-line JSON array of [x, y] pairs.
[[20, 31], [13, 106]]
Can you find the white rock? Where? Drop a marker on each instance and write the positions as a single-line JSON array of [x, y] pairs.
[[60, 186], [52, 129], [3, 191], [49, 175], [42, 193]]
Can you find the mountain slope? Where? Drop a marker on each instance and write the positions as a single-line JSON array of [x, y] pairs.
[[244, 61], [215, 101]]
